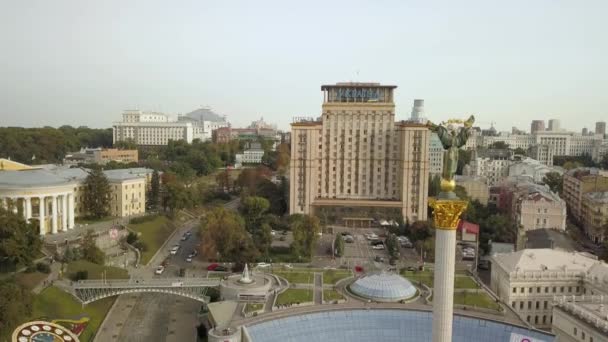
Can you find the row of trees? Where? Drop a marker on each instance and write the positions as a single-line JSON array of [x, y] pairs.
[[226, 235], [48, 144]]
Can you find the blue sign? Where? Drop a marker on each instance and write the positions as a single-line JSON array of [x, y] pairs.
[[372, 94]]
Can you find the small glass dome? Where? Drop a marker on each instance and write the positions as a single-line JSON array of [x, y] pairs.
[[384, 287]]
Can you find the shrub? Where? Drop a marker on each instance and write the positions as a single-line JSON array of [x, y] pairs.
[[81, 275], [140, 245], [43, 267], [142, 219], [132, 238]]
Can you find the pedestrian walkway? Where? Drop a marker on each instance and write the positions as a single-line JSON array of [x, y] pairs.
[[318, 289], [50, 279], [80, 229]]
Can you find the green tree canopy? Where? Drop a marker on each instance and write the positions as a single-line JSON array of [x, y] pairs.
[[19, 240], [154, 193], [97, 194], [15, 305], [554, 181], [305, 229], [225, 238]]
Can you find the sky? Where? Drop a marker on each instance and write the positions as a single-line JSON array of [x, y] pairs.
[[508, 62]]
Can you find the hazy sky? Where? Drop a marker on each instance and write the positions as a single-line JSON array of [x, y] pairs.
[[83, 62]]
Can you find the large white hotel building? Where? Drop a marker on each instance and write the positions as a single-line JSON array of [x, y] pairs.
[[356, 155]]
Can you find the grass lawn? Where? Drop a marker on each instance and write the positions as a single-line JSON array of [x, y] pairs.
[[284, 254], [426, 277], [53, 303], [153, 233], [292, 296], [251, 307], [480, 300], [297, 277], [331, 295], [30, 280], [95, 271], [333, 276]]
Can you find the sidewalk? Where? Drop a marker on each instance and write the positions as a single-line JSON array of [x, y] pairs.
[[51, 277], [80, 229]]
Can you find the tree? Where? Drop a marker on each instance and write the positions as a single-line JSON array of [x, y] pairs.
[[223, 180], [339, 245], [392, 245], [461, 192], [224, 237], [604, 162], [420, 230], [305, 229], [501, 145], [154, 189], [19, 240], [554, 181], [97, 194], [520, 151], [90, 251], [15, 304], [253, 210], [434, 185]]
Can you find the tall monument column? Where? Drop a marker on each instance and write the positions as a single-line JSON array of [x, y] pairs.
[[447, 208], [446, 214]]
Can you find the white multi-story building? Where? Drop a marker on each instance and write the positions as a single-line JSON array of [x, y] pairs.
[[493, 170], [249, 156], [532, 168], [151, 129], [542, 153], [560, 143], [530, 279], [436, 153]]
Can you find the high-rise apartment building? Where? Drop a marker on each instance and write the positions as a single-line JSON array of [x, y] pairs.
[[577, 183], [436, 155], [600, 127], [554, 125], [537, 126], [357, 156]]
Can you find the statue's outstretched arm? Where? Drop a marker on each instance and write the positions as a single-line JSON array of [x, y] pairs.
[[470, 121]]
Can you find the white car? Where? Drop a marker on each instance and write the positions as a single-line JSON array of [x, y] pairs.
[[159, 270], [189, 259], [371, 236], [174, 250], [273, 232], [263, 264], [378, 247], [287, 266]]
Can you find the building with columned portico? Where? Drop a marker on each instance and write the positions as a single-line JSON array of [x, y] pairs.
[[54, 196]]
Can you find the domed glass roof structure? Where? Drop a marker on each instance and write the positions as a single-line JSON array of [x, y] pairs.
[[384, 287]]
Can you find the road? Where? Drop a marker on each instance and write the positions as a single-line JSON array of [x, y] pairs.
[[160, 317]]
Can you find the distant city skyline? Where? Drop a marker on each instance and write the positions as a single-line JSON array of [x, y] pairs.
[[72, 63]]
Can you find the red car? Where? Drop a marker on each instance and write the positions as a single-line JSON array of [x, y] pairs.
[[358, 269], [212, 267]]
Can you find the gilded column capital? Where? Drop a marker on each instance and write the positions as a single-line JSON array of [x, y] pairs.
[[446, 212]]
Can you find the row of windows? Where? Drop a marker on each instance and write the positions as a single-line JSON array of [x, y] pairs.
[[536, 306], [583, 335], [553, 289]]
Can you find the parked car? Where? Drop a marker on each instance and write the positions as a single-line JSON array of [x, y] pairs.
[[159, 270], [379, 258], [484, 265], [378, 246], [411, 268], [344, 233], [212, 267], [263, 264], [188, 258], [376, 242], [349, 239], [220, 268], [392, 261], [174, 249], [371, 236], [407, 244], [359, 269]]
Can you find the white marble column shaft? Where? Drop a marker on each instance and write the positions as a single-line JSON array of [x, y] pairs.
[[41, 218], [64, 212], [54, 215], [71, 211], [443, 289]]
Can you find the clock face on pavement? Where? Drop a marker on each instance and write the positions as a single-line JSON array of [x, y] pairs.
[[40, 331]]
